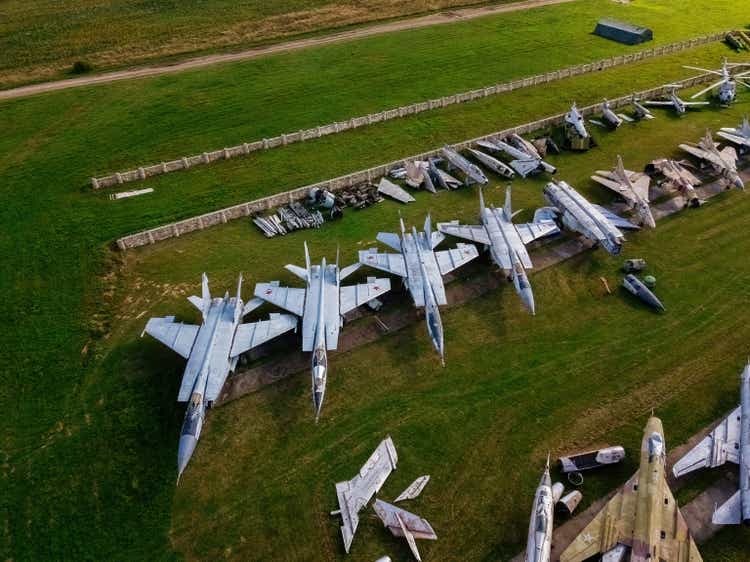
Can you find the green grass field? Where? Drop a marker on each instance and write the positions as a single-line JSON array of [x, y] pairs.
[[41, 40], [88, 447]]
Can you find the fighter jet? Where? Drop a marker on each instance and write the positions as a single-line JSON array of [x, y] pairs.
[[472, 173], [723, 162], [539, 540], [592, 221], [506, 242], [677, 178], [729, 441], [611, 119], [212, 350], [631, 186], [642, 521], [639, 111], [737, 135], [422, 269], [321, 305], [728, 83], [673, 100], [574, 128], [526, 160], [500, 168]]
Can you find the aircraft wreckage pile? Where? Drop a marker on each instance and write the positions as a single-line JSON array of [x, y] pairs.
[[642, 520]]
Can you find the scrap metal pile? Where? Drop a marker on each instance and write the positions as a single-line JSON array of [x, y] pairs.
[[294, 216]]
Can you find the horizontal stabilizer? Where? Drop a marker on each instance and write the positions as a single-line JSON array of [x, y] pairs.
[[389, 239], [730, 512], [390, 263], [448, 260], [348, 270], [300, 272], [251, 305], [289, 299]]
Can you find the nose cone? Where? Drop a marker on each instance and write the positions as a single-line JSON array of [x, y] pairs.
[[527, 296], [318, 388], [184, 452]]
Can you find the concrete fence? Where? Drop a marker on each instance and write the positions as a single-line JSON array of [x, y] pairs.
[[371, 174], [186, 162]]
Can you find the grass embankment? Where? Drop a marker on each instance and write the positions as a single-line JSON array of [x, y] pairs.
[[89, 448], [42, 40]]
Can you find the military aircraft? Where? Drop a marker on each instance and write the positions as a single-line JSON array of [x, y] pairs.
[[673, 100], [611, 119], [723, 162], [472, 172], [539, 540], [212, 350], [574, 129], [638, 288], [737, 135], [642, 521], [402, 523], [639, 111], [500, 168], [592, 221], [727, 85], [321, 305], [506, 242], [631, 186], [422, 269], [526, 160], [729, 441], [677, 178]]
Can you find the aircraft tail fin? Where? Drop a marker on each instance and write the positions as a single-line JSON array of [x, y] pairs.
[[238, 300], [307, 257], [206, 294], [481, 201], [508, 207], [428, 226], [620, 168]]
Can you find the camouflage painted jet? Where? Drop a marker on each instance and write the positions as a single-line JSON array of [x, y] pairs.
[[212, 350], [422, 269], [642, 522], [321, 305], [506, 242]]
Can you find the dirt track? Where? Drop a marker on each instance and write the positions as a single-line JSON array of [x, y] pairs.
[[358, 33]]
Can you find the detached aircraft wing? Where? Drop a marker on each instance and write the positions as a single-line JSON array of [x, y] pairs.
[[473, 233], [287, 298], [390, 263], [254, 334], [531, 231], [353, 296], [716, 448], [448, 260], [177, 336]]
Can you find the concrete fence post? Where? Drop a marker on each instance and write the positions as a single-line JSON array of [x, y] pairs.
[[118, 175], [95, 183], [185, 163], [245, 148], [206, 159], [141, 173]]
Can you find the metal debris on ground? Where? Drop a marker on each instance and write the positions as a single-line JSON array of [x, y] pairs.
[[567, 504], [387, 187], [414, 489], [134, 193], [636, 264], [294, 216], [591, 459]]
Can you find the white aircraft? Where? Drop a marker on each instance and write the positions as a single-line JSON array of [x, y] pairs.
[[673, 100], [728, 83]]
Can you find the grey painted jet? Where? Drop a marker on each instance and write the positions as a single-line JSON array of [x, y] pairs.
[[592, 221], [677, 177], [729, 441], [422, 269], [500, 168], [673, 100], [539, 542], [639, 111], [724, 161], [321, 305], [212, 350], [631, 186], [506, 242], [737, 135], [472, 172], [727, 85], [612, 120], [525, 159]]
